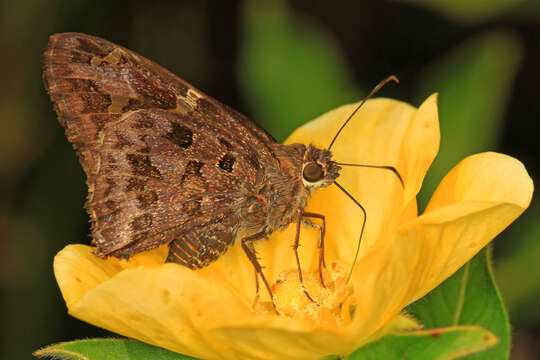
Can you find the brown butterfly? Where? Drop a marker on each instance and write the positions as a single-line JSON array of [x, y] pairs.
[[167, 164]]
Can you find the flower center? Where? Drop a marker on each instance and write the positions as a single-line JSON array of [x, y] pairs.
[[326, 308]]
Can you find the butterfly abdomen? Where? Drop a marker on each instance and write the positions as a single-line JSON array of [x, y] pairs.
[[201, 246]]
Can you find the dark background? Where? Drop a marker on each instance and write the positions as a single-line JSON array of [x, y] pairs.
[[229, 49]]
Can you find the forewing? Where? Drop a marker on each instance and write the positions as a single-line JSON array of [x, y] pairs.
[[160, 156]]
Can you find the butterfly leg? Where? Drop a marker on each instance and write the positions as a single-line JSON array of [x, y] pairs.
[[320, 245], [257, 287], [295, 249], [247, 245]]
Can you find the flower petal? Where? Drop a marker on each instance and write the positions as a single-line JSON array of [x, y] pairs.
[[380, 281], [275, 341], [478, 199], [420, 146], [485, 177], [167, 305], [268, 342], [75, 281], [449, 237], [178, 309]]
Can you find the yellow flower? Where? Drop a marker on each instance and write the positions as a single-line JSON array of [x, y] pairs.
[[213, 314]]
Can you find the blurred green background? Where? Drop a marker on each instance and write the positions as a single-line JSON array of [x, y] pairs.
[[282, 63]]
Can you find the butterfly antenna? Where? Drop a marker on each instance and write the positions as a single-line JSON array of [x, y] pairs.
[[391, 168], [375, 89], [361, 231]]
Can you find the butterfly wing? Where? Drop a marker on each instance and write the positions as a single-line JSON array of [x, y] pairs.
[[161, 158]]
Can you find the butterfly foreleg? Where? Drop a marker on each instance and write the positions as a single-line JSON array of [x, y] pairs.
[[295, 249], [320, 245]]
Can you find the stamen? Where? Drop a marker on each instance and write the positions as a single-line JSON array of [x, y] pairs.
[[291, 300]]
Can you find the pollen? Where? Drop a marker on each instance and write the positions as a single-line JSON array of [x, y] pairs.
[[291, 299]]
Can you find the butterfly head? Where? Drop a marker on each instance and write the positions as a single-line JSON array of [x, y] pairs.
[[318, 169]]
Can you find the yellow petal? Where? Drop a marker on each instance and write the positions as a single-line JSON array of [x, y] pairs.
[[184, 310], [419, 258], [77, 282], [380, 281], [457, 224], [485, 177], [448, 237], [478, 199], [265, 341], [269, 342], [420, 146], [167, 305]]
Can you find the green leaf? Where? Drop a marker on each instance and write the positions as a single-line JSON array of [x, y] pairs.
[[466, 11], [517, 270], [290, 70], [107, 349], [473, 82], [469, 297], [434, 344]]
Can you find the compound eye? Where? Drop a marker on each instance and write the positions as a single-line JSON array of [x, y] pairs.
[[313, 172]]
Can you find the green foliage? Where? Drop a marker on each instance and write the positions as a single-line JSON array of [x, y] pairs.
[[521, 262], [107, 349], [469, 297], [290, 72], [435, 344], [449, 343], [465, 11]]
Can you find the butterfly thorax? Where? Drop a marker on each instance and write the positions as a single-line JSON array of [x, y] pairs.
[[284, 191]]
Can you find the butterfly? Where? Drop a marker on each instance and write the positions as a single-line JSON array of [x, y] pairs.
[[167, 164]]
